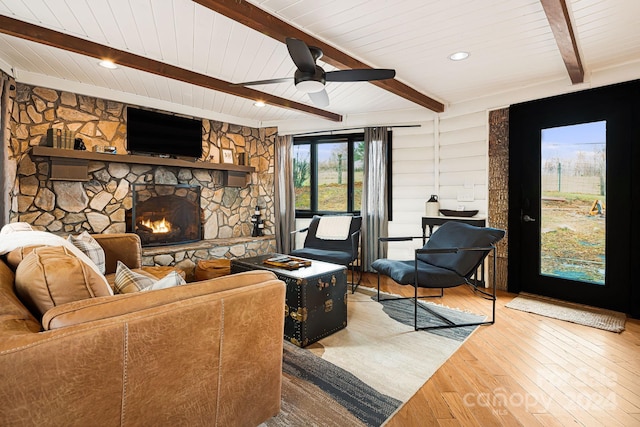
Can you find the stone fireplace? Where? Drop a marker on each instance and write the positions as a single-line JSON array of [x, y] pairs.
[[165, 214], [101, 201]]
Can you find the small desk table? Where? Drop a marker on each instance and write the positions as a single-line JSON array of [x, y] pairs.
[[431, 221]]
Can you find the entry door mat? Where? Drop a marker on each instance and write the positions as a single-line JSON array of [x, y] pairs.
[[361, 375], [594, 317]]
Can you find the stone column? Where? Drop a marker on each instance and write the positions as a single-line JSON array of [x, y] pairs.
[[499, 188]]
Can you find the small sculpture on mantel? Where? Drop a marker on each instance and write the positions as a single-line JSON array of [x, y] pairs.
[[258, 223]]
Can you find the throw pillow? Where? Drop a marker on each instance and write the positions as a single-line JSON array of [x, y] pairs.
[[15, 257], [33, 238], [128, 281], [90, 247], [170, 280], [52, 275]]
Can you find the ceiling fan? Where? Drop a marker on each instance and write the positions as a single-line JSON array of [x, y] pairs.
[[311, 78]]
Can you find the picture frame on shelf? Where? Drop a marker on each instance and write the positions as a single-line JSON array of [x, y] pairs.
[[226, 155]]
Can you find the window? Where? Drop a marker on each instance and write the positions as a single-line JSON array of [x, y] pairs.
[[327, 174]]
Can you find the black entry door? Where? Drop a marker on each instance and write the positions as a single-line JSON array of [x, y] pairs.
[[571, 196]]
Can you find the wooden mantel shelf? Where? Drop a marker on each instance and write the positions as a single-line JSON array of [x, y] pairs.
[[137, 159], [72, 164]]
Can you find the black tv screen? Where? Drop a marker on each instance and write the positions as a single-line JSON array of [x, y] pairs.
[[157, 133]]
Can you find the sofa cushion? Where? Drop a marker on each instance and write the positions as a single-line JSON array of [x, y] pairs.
[[125, 247], [51, 276], [90, 247], [128, 281]]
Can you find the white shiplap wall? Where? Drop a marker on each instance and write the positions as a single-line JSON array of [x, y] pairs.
[[414, 179], [447, 157]]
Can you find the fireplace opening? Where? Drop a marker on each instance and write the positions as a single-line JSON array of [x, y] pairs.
[[164, 214]]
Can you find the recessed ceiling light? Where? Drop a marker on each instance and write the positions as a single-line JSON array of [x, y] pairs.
[[459, 56], [107, 64], [259, 104]]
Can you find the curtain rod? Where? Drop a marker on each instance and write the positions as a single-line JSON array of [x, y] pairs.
[[331, 131]]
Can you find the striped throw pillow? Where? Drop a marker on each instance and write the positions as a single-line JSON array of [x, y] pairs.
[[90, 247]]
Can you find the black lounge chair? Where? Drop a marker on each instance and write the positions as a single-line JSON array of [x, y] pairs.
[[342, 252], [451, 257]]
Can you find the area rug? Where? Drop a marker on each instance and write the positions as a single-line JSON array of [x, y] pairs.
[[361, 375], [581, 314]]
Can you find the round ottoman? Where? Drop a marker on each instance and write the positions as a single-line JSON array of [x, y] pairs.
[[212, 268]]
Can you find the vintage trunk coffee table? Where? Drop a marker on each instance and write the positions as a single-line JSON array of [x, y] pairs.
[[316, 302]]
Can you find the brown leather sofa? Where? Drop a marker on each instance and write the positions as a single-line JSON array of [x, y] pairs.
[[203, 354]]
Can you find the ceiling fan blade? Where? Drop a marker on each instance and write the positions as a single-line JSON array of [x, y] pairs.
[[301, 55], [319, 99], [360, 75], [264, 82]]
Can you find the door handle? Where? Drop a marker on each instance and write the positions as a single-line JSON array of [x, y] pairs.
[[527, 218]]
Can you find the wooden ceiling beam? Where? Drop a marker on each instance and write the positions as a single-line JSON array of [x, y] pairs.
[[558, 17], [24, 30], [256, 18]]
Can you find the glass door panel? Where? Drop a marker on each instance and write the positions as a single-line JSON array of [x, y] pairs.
[[573, 202]]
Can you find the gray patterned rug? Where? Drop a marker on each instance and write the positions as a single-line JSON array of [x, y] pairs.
[[576, 313], [363, 374]]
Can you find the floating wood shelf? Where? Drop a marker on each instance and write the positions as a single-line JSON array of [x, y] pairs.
[[72, 165]]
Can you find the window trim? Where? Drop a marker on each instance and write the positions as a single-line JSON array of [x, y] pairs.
[[351, 138]]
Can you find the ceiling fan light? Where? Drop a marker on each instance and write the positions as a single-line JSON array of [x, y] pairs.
[[309, 86]]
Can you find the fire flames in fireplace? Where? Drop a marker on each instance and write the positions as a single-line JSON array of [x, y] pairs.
[[156, 227], [166, 214]]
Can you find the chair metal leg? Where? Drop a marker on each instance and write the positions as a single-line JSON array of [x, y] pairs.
[[413, 297], [354, 284], [450, 324], [415, 307]]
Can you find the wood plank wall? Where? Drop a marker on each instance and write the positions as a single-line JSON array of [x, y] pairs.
[[448, 157]]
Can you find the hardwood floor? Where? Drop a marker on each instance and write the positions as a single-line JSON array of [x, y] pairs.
[[527, 370]]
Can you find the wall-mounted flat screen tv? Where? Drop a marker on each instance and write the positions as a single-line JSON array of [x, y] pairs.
[[151, 132]]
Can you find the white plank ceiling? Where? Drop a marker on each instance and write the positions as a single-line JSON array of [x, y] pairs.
[[510, 42]]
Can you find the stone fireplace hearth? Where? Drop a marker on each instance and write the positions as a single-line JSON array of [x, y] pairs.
[[166, 214]]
